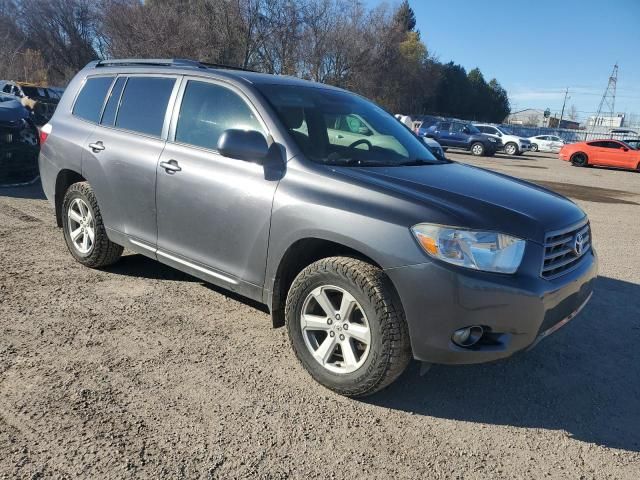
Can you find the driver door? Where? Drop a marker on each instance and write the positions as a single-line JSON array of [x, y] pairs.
[[214, 212]]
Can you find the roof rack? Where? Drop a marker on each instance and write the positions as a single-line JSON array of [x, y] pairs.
[[166, 62]]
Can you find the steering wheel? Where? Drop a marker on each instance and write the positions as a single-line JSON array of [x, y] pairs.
[[361, 141]]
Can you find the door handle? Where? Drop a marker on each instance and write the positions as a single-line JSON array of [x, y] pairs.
[[171, 166], [340, 136], [96, 147]]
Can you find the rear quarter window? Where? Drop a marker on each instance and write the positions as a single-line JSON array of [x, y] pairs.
[[91, 98], [144, 104]]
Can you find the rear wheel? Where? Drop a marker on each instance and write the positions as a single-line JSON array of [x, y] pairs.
[[84, 231], [477, 149], [511, 148], [579, 160], [347, 327]]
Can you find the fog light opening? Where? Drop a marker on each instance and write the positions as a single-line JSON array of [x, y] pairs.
[[467, 337]]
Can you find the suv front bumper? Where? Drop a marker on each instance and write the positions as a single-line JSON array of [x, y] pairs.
[[516, 311]]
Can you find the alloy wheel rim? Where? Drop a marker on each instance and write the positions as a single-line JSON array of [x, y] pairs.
[[511, 150], [477, 149], [335, 329], [81, 226]]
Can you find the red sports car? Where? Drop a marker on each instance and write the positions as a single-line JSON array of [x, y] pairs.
[[606, 153]]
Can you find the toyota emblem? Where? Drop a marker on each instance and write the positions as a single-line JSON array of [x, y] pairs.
[[578, 245]]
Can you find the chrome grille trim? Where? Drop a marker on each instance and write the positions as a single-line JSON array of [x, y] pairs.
[[560, 257]]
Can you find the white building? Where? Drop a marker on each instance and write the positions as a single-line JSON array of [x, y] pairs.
[[606, 121]]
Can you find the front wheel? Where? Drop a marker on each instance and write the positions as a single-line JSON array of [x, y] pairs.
[[511, 148], [477, 149], [347, 326], [534, 147], [84, 231]]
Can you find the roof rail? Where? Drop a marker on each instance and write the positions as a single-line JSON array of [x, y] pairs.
[[166, 62]]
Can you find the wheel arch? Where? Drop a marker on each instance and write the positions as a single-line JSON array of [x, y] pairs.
[[64, 180], [299, 255]]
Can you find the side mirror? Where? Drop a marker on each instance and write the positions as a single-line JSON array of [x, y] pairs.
[[499, 134], [365, 131], [465, 130], [625, 149], [247, 145]]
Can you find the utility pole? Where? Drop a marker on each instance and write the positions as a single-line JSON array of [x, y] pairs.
[[566, 93]]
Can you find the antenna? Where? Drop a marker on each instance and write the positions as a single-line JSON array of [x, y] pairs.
[[608, 102]]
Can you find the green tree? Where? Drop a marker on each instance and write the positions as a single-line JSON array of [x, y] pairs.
[[405, 18]]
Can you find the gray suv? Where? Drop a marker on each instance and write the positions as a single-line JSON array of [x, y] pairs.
[[319, 204]]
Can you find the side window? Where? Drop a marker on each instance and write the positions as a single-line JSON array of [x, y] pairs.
[[597, 144], [207, 110], [91, 98], [457, 127], [483, 129], [7, 88], [109, 115], [144, 104], [444, 126]]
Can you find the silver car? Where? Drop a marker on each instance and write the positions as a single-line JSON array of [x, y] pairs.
[[371, 252]]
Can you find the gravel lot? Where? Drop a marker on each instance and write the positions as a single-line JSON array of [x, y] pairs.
[[140, 371]]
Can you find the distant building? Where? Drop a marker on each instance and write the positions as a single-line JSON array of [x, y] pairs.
[[565, 123], [530, 117], [606, 121]]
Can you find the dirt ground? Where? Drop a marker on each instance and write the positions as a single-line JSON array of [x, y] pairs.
[[140, 371]]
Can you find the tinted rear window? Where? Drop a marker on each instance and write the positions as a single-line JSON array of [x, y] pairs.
[[91, 98], [144, 104]]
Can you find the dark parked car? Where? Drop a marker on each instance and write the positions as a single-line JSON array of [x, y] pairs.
[[19, 143], [42, 101], [457, 134], [371, 253]]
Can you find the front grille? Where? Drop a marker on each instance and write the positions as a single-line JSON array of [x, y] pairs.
[[562, 252]]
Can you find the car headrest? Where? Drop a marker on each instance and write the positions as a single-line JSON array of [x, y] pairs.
[[292, 116]]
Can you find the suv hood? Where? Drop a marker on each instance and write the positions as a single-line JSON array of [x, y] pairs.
[[476, 198]]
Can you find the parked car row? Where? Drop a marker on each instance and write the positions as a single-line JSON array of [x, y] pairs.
[[42, 101], [19, 143]]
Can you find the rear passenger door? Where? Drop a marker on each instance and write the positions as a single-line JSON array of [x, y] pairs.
[[214, 212], [122, 154]]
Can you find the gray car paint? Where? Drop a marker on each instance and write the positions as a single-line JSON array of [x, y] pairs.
[[231, 222]]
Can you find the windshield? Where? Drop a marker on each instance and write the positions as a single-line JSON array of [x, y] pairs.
[[340, 128], [506, 131]]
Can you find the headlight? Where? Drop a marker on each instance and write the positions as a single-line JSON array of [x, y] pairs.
[[491, 139], [488, 251]]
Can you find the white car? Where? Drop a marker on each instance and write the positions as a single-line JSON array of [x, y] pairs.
[[546, 143], [512, 144]]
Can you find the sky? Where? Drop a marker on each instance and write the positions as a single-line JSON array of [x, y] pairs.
[[537, 48]]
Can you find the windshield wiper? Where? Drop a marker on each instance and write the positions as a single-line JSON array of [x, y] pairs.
[[418, 162]]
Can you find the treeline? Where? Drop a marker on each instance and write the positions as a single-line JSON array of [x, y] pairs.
[[375, 52]]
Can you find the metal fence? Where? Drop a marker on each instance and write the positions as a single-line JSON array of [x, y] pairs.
[[569, 136]]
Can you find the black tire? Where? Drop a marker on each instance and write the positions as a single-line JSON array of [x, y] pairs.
[[579, 159], [511, 148], [534, 147], [389, 350], [477, 149], [103, 251]]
